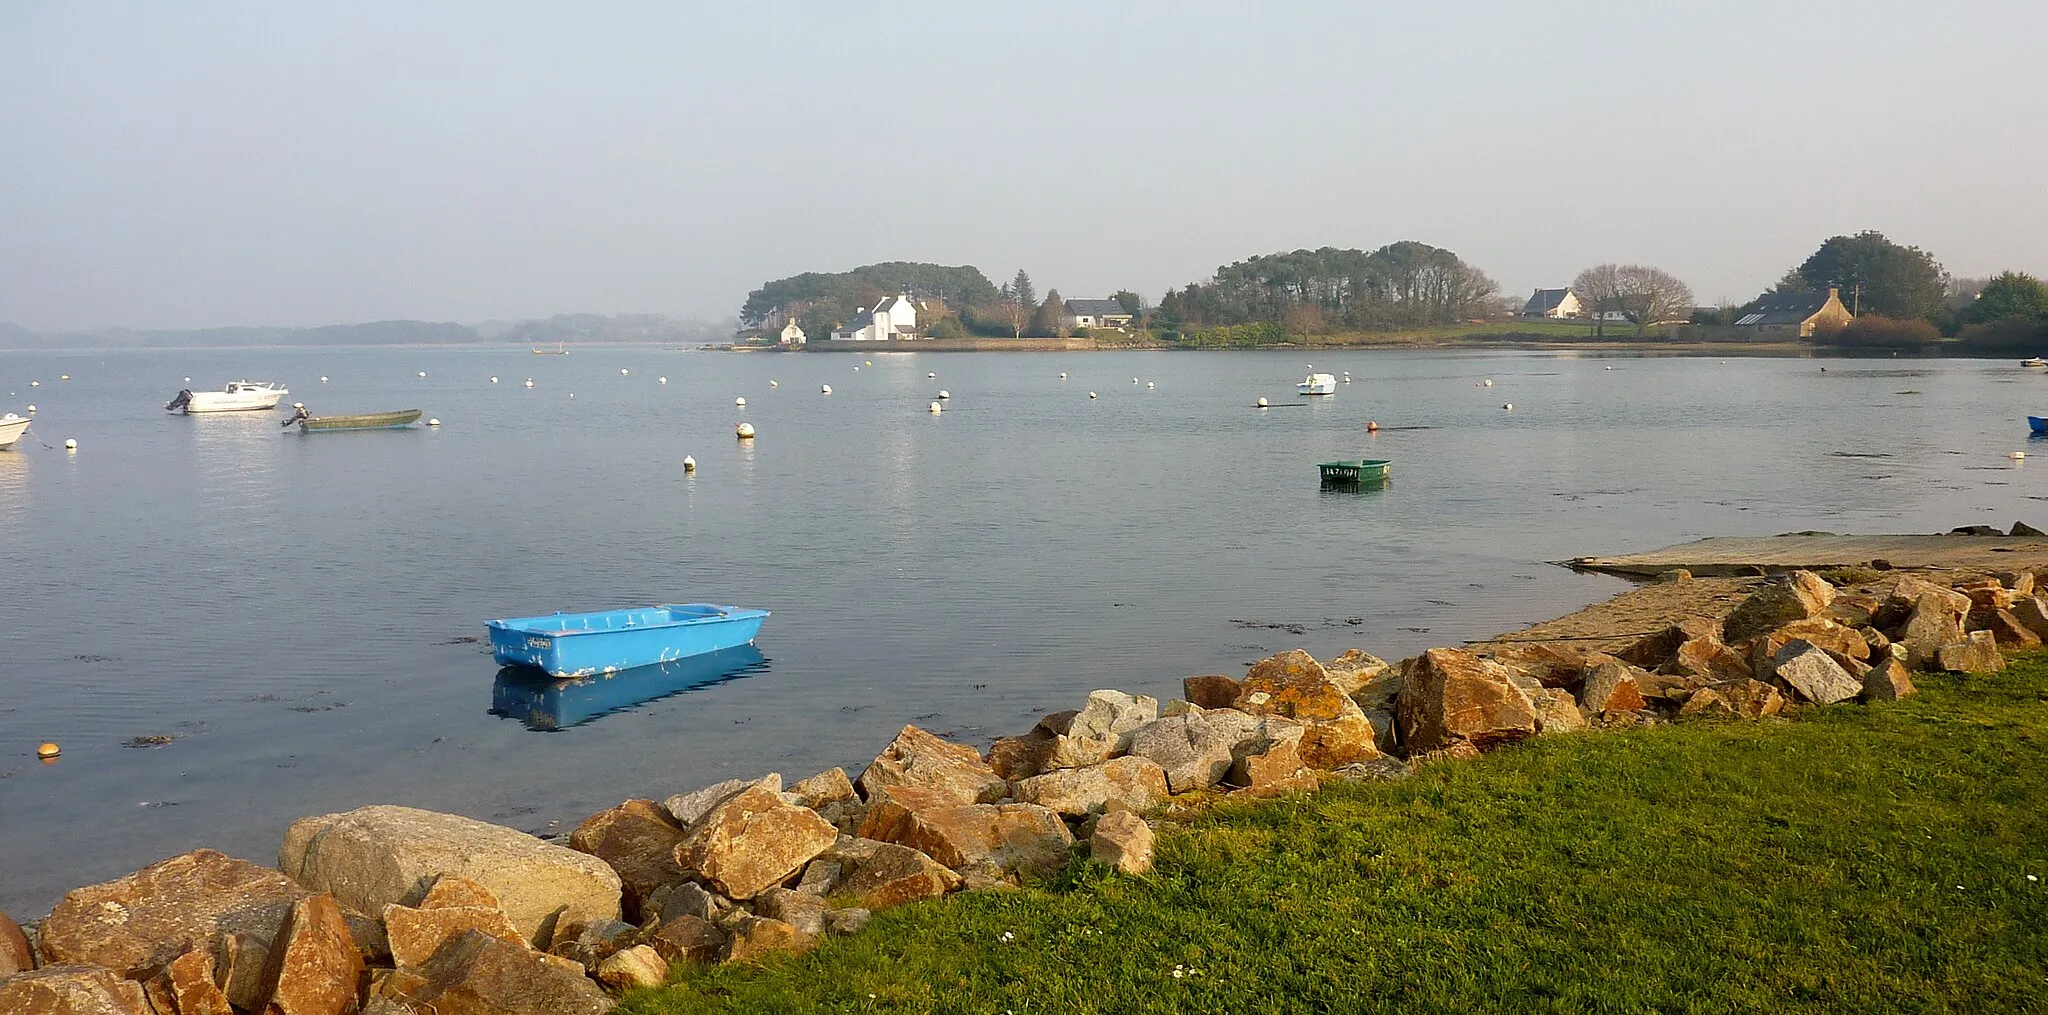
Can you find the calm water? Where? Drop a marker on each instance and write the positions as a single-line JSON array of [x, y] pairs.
[[298, 612]]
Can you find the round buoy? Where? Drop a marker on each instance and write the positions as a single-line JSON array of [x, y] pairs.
[[937, 408], [1063, 376], [188, 380], [1724, 361], [323, 378], [298, 405], [63, 377], [423, 373], [772, 384], [689, 464], [622, 371], [1262, 403], [1134, 380], [494, 379], [1371, 426], [929, 376], [1149, 385], [662, 380], [870, 363], [745, 431], [1507, 405], [48, 749], [529, 382], [433, 422], [741, 402], [1091, 394], [31, 410], [856, 370], [35, 384], [944, 394], [824, 389], [2018, 455], [70, 444]]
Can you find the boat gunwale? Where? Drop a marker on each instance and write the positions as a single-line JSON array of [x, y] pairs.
[[731, 614]]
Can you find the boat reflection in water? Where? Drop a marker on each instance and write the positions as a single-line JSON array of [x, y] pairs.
[[547, 704]]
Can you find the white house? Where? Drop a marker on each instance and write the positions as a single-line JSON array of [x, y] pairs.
[[792, 334], [1554, 303], [1097, 314], [895, 317]]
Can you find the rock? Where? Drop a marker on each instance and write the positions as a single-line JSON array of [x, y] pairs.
[[1548, 664], [804, 912], [1889, 680], [135, 925], [588, 944], [638, 966], [1113, 715], [1611, 687], [1814, 675], [1975, 530], [1454, 697], [688, 808], [1212, 691], [827, 787], [1826, 634], [1750, 699], [1709, 660], [821, 877], [1295, 686], [1014, 758], [378, 1005], [477, 974], [15, 954], [313, 965], [1654, 650], [637, 839], [1013, 838], [1386, 731], [372, 857], [847, 921], [1124, 841], [451, 890], [884, 874], [2032, 613], [1800, 595], [189, 987], [2020, 582], [1986, 594], [1134, 781], [416, 934], [1930, 626], [1907, 595], [691, 899], [1193, 754], [918, 759], [687, 939], [1705, 703], [755, 937], [755, 841], [1663, 688], [2009, 632], [1354, 670], [239, 961], [2023, 529], [1076, 752], [1263, 769], [1977, 653], [888, 813], [1556, 712], [1875, 640], [1380, 769], [71, 989]]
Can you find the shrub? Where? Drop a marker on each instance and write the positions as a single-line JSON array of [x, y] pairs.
[[1882, 331], [2012, 334]]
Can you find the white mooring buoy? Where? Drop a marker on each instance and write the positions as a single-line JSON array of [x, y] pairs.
[[1508, 406], [1149, 385], [772, 384], [944, 394], [1091, 394], [622, 371], [188, 380], [70, 444], [494, 378], [929, 376], [745, 431], [323, 378], [740, 402], [689, 464], [1262, 403], [1489, 382], [35, 384], [663, 380], [2018, 455], [1063, 376], [31, 410], [937, 408], [824, 389], [433, 422], [529, 382], [423, 373]]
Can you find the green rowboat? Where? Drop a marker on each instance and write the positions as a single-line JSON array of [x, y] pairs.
[[363, 421], [1367, 471]]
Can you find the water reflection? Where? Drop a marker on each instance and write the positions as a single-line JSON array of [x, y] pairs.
[[546, 704], [13, 479]]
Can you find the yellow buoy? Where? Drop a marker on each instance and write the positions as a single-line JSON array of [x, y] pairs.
[[1262, 403], [48, 750], [745, 431], [689, 464]]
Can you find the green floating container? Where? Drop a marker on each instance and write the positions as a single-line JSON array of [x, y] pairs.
[[1368, 470]]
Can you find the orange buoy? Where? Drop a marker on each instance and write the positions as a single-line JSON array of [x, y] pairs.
[[48, 750], [1371, 427]]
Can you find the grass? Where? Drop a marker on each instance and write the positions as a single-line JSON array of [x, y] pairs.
[[1852, 859]]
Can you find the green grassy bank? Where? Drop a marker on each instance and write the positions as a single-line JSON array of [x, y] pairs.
[[1852, 859]]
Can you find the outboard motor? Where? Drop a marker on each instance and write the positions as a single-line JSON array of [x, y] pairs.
[[298, 413], [184, 399]]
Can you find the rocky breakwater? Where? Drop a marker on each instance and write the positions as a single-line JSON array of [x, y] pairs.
[[390, 910]]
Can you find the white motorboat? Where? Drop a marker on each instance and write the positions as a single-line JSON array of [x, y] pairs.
[[1317, 384], [11, 429], [2035, 362], [237, 396]]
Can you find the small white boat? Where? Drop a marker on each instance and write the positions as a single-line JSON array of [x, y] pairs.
[[2035, 362], [11, 429], [1317, 384], [237, 396]]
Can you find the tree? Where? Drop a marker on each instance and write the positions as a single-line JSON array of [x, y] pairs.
[[1876, 275], [2011, 294], [1641, 294], [1050, 319], [1132, 303], [1014, 316], [1022, 291]]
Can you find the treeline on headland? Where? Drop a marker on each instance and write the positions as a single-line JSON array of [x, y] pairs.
[[1894, 297], [561, 328]]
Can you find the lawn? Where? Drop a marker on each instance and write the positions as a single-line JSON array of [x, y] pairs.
[[1852, 859]]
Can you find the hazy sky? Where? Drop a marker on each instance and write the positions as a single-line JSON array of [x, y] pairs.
[[187, 164]]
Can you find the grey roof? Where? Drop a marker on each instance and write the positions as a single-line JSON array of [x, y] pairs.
[[1096, 308], [886, 305], [1784, 308], [1545, 301]]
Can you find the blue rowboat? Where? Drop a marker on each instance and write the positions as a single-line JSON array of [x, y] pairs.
[[569, 645], [2038, 424], [545, 704]]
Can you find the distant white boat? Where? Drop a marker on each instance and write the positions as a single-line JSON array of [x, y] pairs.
[[2035, 362], [11, 429], [237, 396], [1317, 384]]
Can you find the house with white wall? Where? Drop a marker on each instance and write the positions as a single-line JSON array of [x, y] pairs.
[[895, 317]]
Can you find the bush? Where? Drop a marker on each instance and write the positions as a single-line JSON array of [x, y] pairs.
[[1885, 332], [2009, 335], [1236, 336]]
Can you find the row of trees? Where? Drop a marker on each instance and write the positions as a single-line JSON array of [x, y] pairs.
[[1307, 292]]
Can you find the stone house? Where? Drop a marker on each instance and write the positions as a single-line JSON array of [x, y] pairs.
[[1789, 315]]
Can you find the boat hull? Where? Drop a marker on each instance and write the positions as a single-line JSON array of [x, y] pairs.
[[570, 645], [11, 429], [2038, 424], [1317, 384], [367, 421], [544, 703], [240, 401]]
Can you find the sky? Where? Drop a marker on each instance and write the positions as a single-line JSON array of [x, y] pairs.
[[200, 164]]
